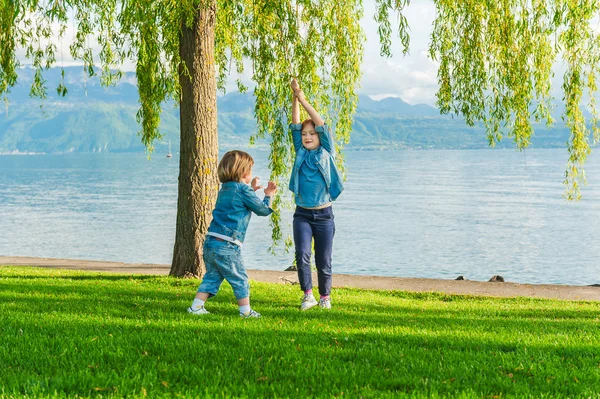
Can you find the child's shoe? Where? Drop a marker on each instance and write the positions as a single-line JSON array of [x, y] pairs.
[[325, 303], [198, 311], [250, 314], [308, 301]]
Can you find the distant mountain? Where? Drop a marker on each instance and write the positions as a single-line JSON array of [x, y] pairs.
[[80, 87], [92, 118], [396, 106]]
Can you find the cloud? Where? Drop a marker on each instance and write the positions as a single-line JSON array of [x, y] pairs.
[[412, 77]]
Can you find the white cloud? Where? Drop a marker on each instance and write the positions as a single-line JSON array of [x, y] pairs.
[[413, 77]]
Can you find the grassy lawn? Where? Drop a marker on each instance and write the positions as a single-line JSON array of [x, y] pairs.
[[73, 334]]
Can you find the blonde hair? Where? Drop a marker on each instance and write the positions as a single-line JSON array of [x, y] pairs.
[[234, 165], [307, 121]]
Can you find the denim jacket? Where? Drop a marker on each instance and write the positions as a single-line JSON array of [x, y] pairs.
[[232, 212], [325, 156]]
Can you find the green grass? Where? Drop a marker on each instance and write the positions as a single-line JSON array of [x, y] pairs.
[[73, 334]]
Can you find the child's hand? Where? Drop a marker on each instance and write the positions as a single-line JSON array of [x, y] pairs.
[[295, 86], [297, 91], [254, 184], [271, 189], [300, 95]]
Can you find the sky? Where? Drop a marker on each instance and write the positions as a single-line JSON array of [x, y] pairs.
[[412, 78]]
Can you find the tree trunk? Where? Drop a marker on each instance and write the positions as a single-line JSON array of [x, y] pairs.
[[199, 149]]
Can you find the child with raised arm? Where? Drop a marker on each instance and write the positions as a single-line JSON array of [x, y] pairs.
[[315, 182], [223, 245]]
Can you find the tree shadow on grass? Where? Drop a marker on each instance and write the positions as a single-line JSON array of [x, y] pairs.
[[500, 307], [232, 358], [391, 349], [173, 295], [147, 305]]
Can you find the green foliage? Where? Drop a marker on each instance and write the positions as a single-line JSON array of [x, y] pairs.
[[382, 17], [144, 31], [75, 334], [496, 64], [319, 42]]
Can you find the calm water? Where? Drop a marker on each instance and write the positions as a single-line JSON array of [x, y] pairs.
[[435, 214]]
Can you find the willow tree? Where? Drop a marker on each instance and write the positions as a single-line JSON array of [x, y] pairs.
[[494, 59], [185, 50]]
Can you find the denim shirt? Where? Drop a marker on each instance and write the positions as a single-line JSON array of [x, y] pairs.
[[235, 203], [308, 162]]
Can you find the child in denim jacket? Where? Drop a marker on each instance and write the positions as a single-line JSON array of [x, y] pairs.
[[316, 183], [222, 247]]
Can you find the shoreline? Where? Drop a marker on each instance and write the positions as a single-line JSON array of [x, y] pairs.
[[455, 287], [364, 148]]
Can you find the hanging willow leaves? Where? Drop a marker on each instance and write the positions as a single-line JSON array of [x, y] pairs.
[[496, 61], [320, 42]]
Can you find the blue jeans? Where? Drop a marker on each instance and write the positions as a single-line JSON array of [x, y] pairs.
[[317, 224], [223, 260]]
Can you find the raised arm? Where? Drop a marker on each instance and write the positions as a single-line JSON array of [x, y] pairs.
[[295, 126], [314, 115], [299, 98], [325, 134], [256, 205], [295, 104]]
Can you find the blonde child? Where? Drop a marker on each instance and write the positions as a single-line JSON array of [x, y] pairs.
[[316, 183], [222, 247]]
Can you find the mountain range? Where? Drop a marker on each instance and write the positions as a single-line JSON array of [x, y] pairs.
[[92, 118]]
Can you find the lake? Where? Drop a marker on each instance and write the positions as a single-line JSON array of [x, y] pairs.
[[429, 213]]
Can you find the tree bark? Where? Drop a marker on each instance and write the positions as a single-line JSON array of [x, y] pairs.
[[199, 149]]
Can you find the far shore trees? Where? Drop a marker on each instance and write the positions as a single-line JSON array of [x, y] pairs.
[[495, 66]]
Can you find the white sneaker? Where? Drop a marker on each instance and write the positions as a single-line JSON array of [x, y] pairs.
[[308, 301], [325, 303], [198, 311], [250, 314]]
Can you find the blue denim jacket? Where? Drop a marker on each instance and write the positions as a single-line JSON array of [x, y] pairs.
[[325, 156], [232, 212]]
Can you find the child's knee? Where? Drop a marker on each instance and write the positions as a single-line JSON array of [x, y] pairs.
[[303, 260], [211, 282]]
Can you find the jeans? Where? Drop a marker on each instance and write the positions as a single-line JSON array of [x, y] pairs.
[[317, 224], [223, 260]]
